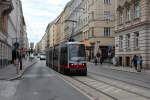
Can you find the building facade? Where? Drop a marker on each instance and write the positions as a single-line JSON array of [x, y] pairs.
[[95, 26], [42, 45], [89, 21], [14, 27], [5, 49], [133, 31]]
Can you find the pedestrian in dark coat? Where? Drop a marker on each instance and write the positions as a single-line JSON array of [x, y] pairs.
[[95, 60], [20, 61], [15, 59], [101, 60], [141, 62], [134, 61]]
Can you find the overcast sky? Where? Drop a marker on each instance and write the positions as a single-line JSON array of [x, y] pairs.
[[38, 13]]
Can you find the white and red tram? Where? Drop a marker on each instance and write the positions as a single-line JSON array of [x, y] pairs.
[[68, 58]]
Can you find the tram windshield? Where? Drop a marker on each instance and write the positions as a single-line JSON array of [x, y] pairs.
[[77, 52]]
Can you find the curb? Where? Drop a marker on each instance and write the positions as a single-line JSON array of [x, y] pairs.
[[126, 71], [19, 76]]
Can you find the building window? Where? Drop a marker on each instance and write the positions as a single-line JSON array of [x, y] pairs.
[[128, 14], [136, 40], [0, 23], [121, 17], [107, 15], [128, 41], [107, 31], [107, 1], [137, 9], [120, 42], [4, 24]]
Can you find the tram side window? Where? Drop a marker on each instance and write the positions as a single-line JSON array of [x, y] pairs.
[[50, 57], [63, 58], [55, 54]]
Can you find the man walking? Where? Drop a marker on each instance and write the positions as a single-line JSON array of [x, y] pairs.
[[134, 61], [15, 59]]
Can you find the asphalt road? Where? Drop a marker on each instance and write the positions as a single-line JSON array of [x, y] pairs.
[[39, 83]]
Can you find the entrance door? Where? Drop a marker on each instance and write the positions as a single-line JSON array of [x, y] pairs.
[[120, 61], [127, 61]]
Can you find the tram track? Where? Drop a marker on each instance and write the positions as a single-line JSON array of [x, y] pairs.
[[112, 97], [86, 91], [90, 82], [109, 84], [112, 78], [148, 97]]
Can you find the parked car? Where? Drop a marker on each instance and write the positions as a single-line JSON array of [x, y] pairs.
[[38, 56], [42, 57]]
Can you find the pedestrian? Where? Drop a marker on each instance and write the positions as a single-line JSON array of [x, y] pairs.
[[134, 61], [98, 55], [20, 60], [114, 60], [139, 63], [15, 59], [101, 60], [95, 60]]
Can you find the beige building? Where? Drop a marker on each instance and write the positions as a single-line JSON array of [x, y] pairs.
[[49, 31], [133, 31], [54, 32], [42, 45], [70, 18], [58, 29], [89, 21], [95, 26]]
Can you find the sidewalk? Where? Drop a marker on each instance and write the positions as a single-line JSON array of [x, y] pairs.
[[121, 68], [9, 73]]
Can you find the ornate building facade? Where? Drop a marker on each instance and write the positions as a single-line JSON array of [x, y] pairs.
[[133, 31], [5, 49]]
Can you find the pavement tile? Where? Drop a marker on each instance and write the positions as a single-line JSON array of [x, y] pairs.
[[9, 72]]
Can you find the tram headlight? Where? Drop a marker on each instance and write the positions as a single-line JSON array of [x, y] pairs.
[[84, 64], [71, 64]]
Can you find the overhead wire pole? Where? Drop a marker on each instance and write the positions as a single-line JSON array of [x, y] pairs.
[[70, 37], [73, 21]]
